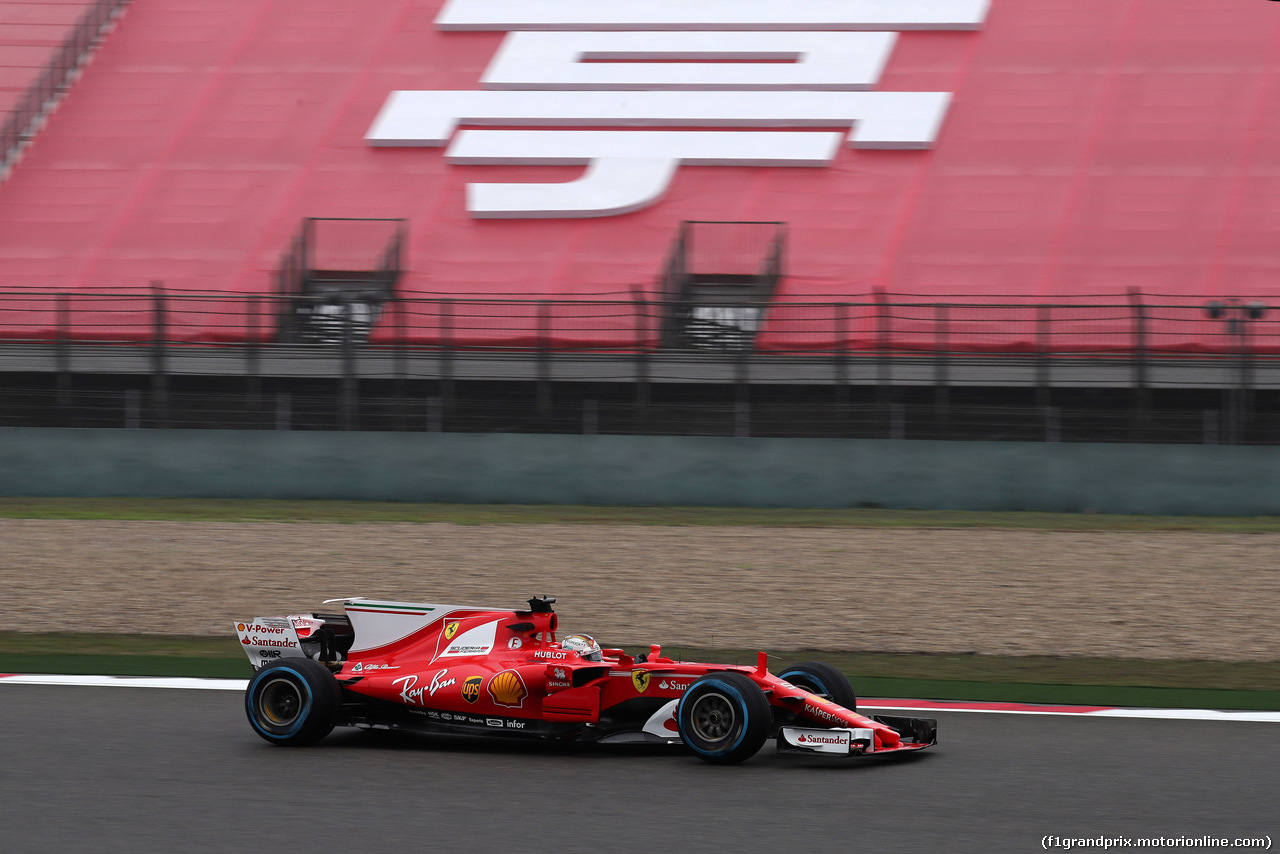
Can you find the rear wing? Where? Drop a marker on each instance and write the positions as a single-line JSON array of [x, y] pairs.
[[324, 637]]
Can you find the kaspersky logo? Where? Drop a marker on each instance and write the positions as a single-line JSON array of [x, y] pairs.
[[769, 72]]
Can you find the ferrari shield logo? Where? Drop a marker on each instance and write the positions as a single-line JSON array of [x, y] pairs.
[[450, 630], [471, 687], [640, 679]]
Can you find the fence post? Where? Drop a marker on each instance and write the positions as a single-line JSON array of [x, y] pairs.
[[1043, 345], [1245, 395], [445, 364], [1043, 393], [159, 378], [1141, 396], [252, 358], [842, 357], [63, 349], [544, 358], [348, 404], [884, 377], [400, 356], [884, 337], [742, 393], [1044, 321], [642, 358], [942, 364]]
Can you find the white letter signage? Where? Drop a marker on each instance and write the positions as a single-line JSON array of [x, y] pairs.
[[783, 68]]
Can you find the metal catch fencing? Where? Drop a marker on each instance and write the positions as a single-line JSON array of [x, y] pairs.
[[874, 324]]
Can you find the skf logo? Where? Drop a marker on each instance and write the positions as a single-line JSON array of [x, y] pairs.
[[450, 630], [640, 679], [607, 112], [507, 689], [471, 688]]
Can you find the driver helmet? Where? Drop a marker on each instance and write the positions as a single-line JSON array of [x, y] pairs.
[[584, 645]]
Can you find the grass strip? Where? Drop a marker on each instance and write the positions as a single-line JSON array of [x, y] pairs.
[[1103, 682], [357, 512]]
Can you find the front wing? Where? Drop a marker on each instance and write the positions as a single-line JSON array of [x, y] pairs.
[[917, 734]]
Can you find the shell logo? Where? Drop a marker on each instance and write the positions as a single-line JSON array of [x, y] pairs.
[[507, 689], [239, 627]]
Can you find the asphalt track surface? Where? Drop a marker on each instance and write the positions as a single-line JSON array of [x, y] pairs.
[[141, 769]]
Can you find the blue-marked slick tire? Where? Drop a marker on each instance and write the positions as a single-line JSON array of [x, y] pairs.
[[724, 717], [823, 680], [294, 701]]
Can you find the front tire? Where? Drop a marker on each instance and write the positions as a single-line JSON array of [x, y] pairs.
[[823, 680], [724, 717], [293, 702]]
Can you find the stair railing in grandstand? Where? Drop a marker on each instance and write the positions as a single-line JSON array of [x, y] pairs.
[[718, 282], [334, 277], [54, 80]]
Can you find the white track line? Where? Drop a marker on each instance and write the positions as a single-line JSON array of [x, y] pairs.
[[1189, 715], [1142, 714], [191, 683]]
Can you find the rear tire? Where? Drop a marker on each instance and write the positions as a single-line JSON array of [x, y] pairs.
[[724, 717], [293, 702], [823, 680]]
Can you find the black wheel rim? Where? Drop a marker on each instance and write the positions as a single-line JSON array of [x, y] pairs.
[[807, 684], [279, 702], [713, 717]]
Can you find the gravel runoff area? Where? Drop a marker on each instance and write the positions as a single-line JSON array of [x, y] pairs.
[[990, 591]]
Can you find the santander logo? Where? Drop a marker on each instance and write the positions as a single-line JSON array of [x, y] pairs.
[[634, 71]]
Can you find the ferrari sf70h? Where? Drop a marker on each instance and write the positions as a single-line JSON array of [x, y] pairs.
[[484, 671]]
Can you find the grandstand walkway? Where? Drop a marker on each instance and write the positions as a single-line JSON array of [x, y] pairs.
[[663, 367]]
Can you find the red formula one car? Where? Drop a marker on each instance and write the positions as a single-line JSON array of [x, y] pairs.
[[481, 671]]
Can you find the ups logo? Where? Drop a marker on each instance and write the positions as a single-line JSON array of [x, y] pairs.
[[450, 630], [640, 679], [471, 687]]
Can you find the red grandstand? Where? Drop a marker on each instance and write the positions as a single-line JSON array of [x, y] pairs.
[[1071, 153]]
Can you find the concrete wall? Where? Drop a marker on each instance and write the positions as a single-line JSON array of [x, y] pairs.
[[508, 468]]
